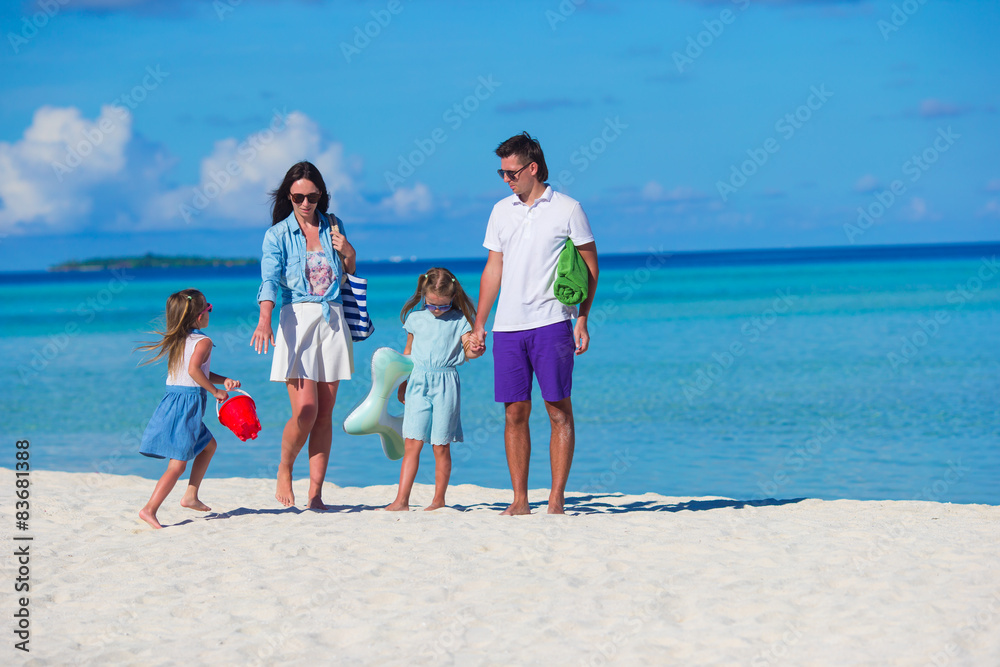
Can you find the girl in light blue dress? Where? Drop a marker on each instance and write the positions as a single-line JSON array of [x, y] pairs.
[[176, 430], [439, 338]]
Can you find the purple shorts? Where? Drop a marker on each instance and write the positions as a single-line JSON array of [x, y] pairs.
[[547, 351]]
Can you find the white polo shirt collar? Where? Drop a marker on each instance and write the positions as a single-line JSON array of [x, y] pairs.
[[545, 196]]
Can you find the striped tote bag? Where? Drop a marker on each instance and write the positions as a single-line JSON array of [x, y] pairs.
[[354, 294]]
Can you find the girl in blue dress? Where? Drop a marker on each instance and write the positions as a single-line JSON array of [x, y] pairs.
[[176, 430], [439, 338]]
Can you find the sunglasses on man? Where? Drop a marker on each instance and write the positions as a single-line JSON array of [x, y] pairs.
[[512, 175]]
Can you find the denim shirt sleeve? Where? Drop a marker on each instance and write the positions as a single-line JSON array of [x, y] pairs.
[[272, 265]]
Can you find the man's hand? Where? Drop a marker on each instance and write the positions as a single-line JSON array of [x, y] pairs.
[[580, 335], [478, 339]]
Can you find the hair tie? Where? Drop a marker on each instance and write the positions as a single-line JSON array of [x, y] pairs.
[[452, 280], [188, 296]]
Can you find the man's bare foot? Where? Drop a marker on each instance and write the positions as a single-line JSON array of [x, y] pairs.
[[434, 505], [517, 509], [397, 506], [316, 503], [284, 493], [195, 505], [149, 517]]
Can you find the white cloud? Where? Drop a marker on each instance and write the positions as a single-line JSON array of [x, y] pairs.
[[653, 191], [934, 108], [867, 183], [46, 176], [918, 210], [990, 210], [72, 173], [237, 177], [408, 202]]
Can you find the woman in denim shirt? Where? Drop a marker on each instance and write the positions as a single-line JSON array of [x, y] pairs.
[[305, 254]]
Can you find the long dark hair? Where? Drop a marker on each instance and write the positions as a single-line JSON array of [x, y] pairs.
[[441, 282], [528, 149], [183, 310], [281, 205]]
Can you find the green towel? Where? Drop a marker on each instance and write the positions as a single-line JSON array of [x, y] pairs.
[[571, 276]]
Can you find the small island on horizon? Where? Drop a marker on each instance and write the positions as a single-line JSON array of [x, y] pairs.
[[151, 261]]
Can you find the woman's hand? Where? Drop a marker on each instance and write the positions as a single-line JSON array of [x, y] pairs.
[[344, 247], [401, 394], [262, 336]]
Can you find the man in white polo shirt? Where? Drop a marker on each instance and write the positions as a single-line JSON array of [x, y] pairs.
[[532, 330]]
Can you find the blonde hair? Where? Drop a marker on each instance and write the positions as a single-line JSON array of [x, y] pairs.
[[443, 283], [184, 308]]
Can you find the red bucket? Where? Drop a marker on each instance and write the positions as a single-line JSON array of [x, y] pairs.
[[239, 415]]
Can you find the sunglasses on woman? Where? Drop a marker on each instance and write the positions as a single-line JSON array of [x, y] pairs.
[[313, 197]]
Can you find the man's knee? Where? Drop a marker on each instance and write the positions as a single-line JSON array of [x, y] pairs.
[[561, 416], [560, 412], [518, 413]]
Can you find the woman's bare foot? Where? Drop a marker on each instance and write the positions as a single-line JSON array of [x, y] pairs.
[[195, 504], [149, 517], [316, 503], [397, 506], [434, 505], [284, 493]]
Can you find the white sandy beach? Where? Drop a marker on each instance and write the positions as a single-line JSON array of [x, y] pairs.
[[631, 580]]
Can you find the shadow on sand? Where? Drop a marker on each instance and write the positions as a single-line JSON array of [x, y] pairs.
[[604, 504], [575, 505]]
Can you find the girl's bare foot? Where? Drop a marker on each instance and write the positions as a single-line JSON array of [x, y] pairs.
[[284, 493], [195, 505], [316, 503], [149, 517], [434, 505], [397, 506]]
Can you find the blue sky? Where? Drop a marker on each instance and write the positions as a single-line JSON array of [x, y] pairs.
[[131, 126]]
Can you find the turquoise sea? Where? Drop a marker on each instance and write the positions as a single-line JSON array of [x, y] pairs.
[[866, 373]]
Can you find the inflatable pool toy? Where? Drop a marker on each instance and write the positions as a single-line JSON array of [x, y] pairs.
[[239, 415], [371, 416]]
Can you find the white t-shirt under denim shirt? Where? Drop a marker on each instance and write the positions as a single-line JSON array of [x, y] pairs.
[[531, 239]]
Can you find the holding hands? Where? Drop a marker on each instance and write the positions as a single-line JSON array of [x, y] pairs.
[[477, 342]]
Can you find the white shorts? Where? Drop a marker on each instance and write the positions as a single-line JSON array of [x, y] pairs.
[[307, 346]]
